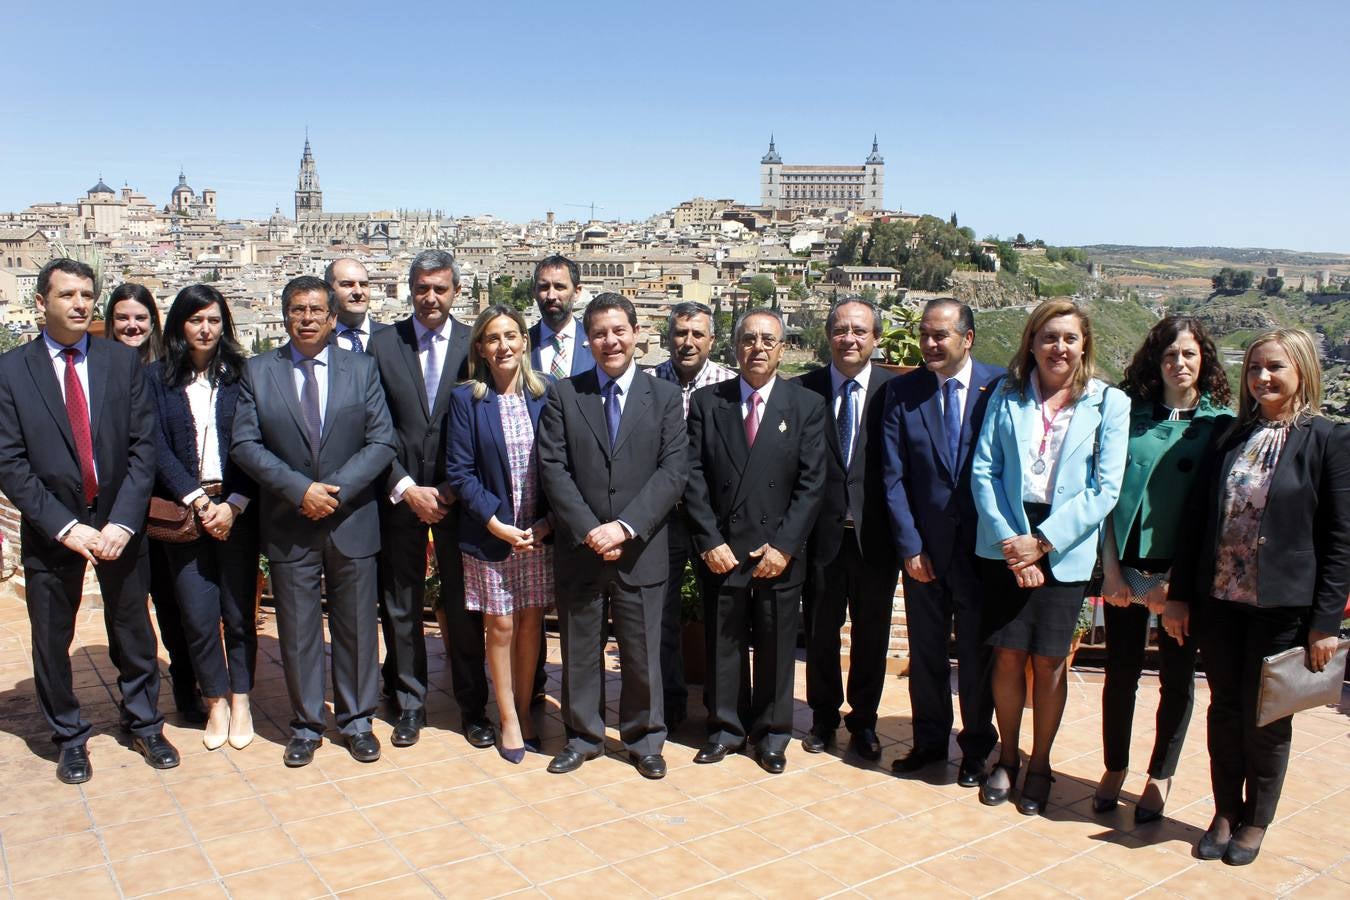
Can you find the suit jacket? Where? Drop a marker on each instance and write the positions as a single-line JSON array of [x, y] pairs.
[[1085, 491], [589, 484], [479, 471], [270, 443], [582, 360], [375, 328], [39, 469], [176, 461], [420, 433], [859, 486], [1303, 551], [931, 507], [747, 496]]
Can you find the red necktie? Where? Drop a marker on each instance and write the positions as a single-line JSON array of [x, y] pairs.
[[77, 410], [752, 419]]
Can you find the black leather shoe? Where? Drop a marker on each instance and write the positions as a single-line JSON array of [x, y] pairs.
[[713, 752], [974, 770], [1211, 847], [1237, 855], [569, 760], [772, 761], [363, 746], [1035, 793], [652, 766], [74, 766], [918, 758], [300, 752], [157, 750], [408, 728], [480, 733], [993, 796], [818, 740], [865, 744]]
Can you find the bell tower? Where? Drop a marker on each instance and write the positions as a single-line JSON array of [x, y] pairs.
[[308, 196]]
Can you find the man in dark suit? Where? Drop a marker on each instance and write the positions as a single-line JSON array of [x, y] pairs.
[[931, 421], [77, 458], [557, 341], [853, 563], [351, 283], [420, 359], [312, 429], [756, 479], [613, 461]]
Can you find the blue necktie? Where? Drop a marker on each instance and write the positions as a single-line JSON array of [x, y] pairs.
[[951, 422], [354, 336], [844, 420], [612, 411]]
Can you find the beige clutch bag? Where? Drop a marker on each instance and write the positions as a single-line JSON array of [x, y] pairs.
[[1289, 686]]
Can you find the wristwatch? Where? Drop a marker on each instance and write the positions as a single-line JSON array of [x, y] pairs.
[[200, 504], [1044, 545]]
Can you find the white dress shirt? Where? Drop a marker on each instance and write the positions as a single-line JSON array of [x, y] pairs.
[[837, 380], [442, 341], [764, 392], [1040, 488], [202, 400], [362, 329], [962, 386]]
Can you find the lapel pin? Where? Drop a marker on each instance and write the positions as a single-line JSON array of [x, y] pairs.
[[782, 427]]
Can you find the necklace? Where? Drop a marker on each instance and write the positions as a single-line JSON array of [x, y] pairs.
[[1047, 426]]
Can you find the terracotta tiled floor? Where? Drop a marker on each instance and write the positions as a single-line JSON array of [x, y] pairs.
[[443, 819]]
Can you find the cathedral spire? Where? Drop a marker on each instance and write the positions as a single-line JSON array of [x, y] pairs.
[[772, 157]]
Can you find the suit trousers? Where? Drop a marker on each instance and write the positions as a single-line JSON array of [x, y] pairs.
[[757, 708], [636, 613], [216, 581], [932, 609], [171, 634], [352, 622], [1246, 763], [672, 617], [54, 585], [403, 563], [865, 591], [1126, 636]]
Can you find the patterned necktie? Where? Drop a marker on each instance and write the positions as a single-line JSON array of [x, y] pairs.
[[559, 370], [77, 410], [844, 421], [432, 376], [355, 337], [309, 405], [752, 418], [612, 411], [951, 422]]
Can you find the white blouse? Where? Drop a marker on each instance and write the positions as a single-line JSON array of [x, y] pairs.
[[1042, 452]]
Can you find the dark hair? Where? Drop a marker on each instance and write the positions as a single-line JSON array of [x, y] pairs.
[[433, 261], [687, 310], [304, 285], [1143, 376], [606, 302], [965, 319], [228, 361], [67, 265], [152, 348], [553, 262], [855, 301]]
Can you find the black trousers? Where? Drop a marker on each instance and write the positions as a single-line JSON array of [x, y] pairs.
[[1246, 763], [54, 583], [865, 592], [750, 699], [403, 562], [352, 622], [171, 633], [953, 600], [636, 613], [215, 582], [1126, 637], [672, 624]]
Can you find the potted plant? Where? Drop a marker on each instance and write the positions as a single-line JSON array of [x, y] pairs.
[[899, 341], [693, 640]]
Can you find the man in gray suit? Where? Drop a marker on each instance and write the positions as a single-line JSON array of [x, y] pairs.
[[613, 461], [311, 427]]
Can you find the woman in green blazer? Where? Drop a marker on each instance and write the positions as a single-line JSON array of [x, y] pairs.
[[1178, 393]]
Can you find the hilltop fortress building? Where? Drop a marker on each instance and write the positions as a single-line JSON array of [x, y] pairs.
[[385, 228], [812, 187]]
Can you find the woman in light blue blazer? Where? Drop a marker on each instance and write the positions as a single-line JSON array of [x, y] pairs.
[[1046, 473]]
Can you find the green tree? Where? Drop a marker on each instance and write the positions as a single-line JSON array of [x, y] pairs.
[[850, 249], [1272, 285], [1008, 259], [762, 290]]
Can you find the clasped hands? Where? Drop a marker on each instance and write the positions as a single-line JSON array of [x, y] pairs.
[[607, 540], [1021, 552], [94, 544], [217, 519], [772, 561], [522, 539]]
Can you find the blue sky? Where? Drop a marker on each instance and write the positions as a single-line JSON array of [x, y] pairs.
[[1147, 123]]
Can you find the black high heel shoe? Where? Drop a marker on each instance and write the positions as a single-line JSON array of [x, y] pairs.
[[992, 796], [1144, 814], [1209, 846], [533, 745], [1105, 802], [513, 755], [1035, 793]]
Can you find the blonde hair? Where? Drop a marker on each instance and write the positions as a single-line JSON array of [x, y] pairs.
[[1024, 360], [480, 373], [1302, 352]]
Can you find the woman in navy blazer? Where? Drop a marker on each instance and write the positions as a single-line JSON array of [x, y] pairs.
[[1046, 473], [194, 389], [492, 467], [1264, 568]]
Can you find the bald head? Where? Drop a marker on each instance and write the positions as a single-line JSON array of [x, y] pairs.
[[351, 282]]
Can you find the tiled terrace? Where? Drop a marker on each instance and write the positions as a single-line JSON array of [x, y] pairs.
[[443, 819]]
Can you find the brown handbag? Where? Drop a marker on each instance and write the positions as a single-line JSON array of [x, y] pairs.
[[1289, 686], [171, 522]]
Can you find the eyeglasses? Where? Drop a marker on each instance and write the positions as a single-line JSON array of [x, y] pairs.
[[767, 341], [307, 312], [859, 333]]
